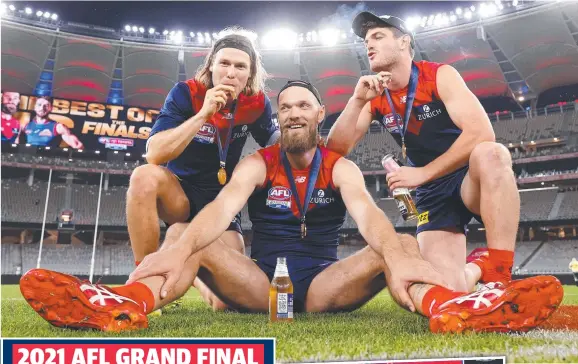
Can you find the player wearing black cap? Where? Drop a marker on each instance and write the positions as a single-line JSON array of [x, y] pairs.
[[449, 149]]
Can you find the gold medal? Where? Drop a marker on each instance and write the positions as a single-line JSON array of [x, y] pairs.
[[303, 230], [403, 151], [222, 176]]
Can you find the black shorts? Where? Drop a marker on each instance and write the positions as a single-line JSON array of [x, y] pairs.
[[302, 271], [199, 198], [439, 204]]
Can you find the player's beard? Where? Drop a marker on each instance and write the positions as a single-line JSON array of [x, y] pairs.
[[9, 109], [385, 64], [301, 143]]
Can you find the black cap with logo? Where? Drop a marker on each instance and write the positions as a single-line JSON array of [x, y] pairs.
[[385, 20]]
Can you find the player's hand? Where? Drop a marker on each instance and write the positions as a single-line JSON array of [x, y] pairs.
[[406, 177], [216, 99], [168, 263], [407, 271], [369, 87]]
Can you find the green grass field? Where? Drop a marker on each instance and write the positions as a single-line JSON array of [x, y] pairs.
[[377, 331]]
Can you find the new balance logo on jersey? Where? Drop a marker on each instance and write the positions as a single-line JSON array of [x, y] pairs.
[[98, 295], [300, 179], [403, 99]]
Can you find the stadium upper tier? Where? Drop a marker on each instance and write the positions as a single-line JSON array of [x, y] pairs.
[[523, 53], [23, 203]]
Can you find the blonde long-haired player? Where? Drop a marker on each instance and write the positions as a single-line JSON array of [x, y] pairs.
[[197, 141]]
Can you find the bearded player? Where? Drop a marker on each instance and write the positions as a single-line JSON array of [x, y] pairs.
[[196, 142], [10, 125], [41, 131], [453, 161], [298, 192]]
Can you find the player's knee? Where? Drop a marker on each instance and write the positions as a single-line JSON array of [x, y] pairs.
[[173, 234], [491, 158], [144, 180], [373, 259]]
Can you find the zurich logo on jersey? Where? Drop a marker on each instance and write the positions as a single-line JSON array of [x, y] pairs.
[[427, 112], [206, 134], [391, 124], [321, 198], [279, 198]]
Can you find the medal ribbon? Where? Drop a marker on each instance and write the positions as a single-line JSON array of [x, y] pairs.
[[223, 150], [411, 91], [313, 173]]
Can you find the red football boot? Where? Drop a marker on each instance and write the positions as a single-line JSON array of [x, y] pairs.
[[66, 301], [519, 306], [478, 253]]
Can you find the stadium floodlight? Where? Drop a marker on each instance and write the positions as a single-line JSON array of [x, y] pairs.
[[28, 11], [459, 11], [80, 151], [28, 144], [314, 36], [192, 34], [329, 37], [179, 32], [127, 28], [141, 29], [151, 30], [438, 20], [343, 35], [468, 15], [144, 155], [12, 7], [515, 3], [430, 21], [116, 152], [178, 38], [521, 98], [54, 16], [445, 20], [500, 6], [128, 154], [134, 28], [453, 18], [208, 37], [97, 151], [39, 13], [47, 148], [47, 15], [65, 149], [472, 8], [280, 38], [14, 145], [70, 159], [165, 32], [412, 22], [215, 36]]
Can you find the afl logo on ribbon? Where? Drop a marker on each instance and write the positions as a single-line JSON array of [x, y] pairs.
[[206, 134], [279, 198]]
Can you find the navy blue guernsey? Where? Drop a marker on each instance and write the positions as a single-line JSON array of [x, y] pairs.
[[430, 131], [275, 215], [199, 162]]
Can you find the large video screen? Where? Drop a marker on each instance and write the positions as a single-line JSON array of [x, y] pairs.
[[56, 122]]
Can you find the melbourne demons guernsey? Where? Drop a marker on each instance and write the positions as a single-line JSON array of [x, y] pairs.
[[275, 215], [198, 164], [430, 131]]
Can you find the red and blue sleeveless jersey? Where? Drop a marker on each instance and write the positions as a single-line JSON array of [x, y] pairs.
[[199, 162], [276, 219], [430, 131]]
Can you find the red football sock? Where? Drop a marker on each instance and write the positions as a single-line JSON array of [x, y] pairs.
[[496, 266], [137, 262], [435, 297], [138, 292]]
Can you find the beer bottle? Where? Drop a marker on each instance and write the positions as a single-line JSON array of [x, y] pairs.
[[401, 195], [281, 294]]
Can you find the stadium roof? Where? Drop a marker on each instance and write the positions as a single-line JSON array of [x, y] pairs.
[[517, 54]]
